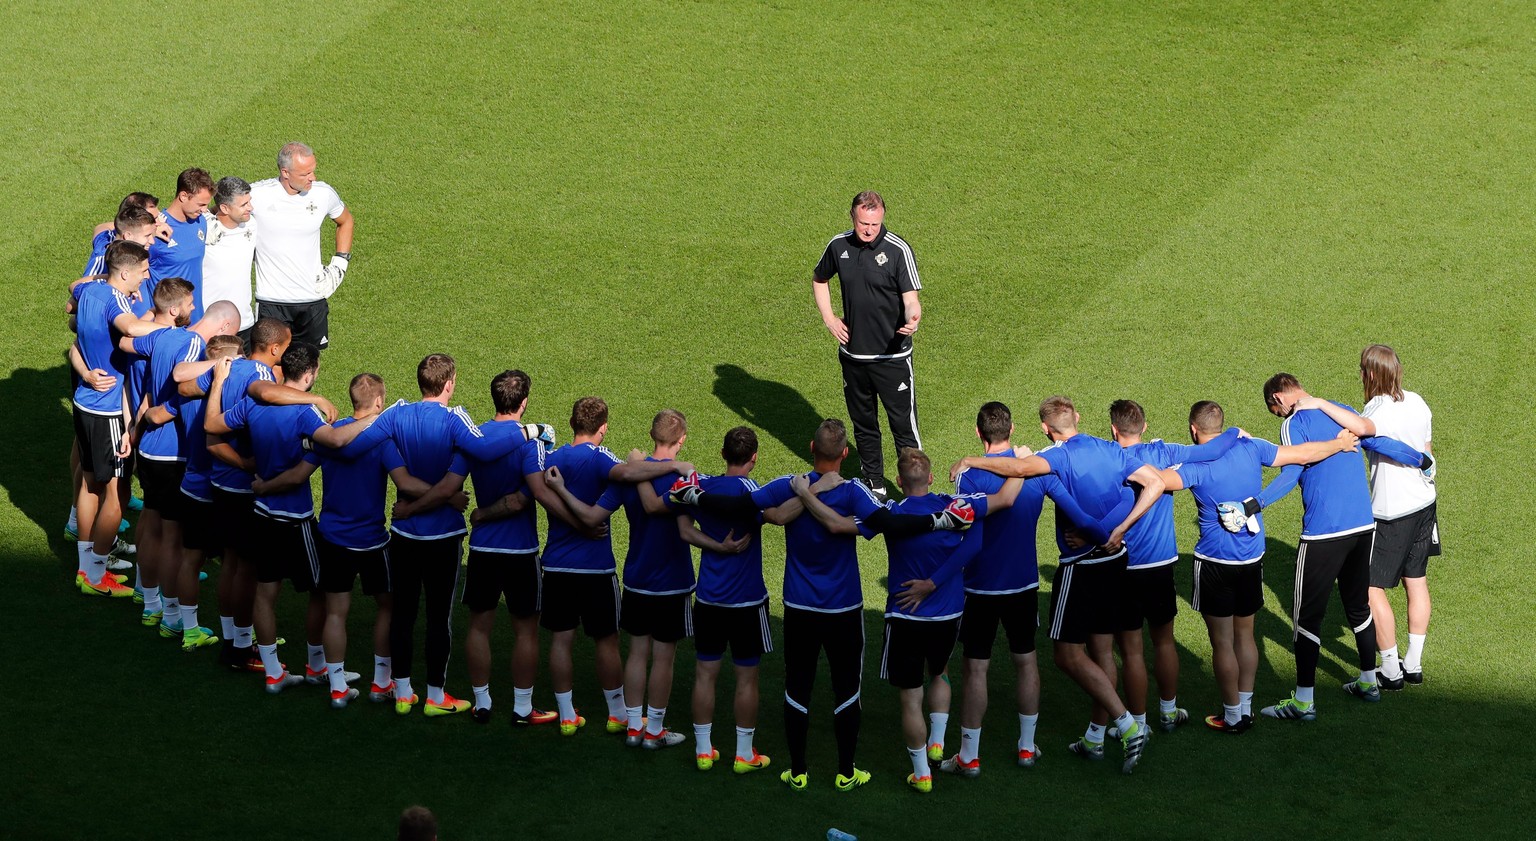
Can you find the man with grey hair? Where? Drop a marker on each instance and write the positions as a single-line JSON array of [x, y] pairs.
[[231, 248], [291, 284]]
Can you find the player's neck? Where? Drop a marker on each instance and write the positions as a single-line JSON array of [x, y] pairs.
[[1127, 440], [166, 320], [915, 491], [1063, 435], [179, 213], [588, 438], [666, 453], [441, 398], [999, 447], [508, 416], [827, 466], [738, 469]]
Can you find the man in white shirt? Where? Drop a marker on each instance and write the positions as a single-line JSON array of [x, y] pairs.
[[231, 247], [291, 284], [1403, 503]]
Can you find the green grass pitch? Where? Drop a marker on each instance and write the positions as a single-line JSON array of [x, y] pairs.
[[1167, 201]]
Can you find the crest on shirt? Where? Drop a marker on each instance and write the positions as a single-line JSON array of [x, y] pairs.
[[311, 208], [201, 236], [881, 259]]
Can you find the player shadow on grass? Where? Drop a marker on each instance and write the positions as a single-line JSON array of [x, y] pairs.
[[34, 470], [774, 408]]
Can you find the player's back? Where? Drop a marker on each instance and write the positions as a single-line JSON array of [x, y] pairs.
[[1236, 475], [1008, 562], [242, 372], [821, 569], [352, 493], [279, 436], [166, 349], [1152, 540], [501, 477], [423, 433], [657, 562], [921, 556], [98, 303], [585, 468], [1093, 471], [1335, 497], [730, 580]]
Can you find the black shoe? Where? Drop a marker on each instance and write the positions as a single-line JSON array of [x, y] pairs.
[[480, 715], [1389, 684], [1415, 678]]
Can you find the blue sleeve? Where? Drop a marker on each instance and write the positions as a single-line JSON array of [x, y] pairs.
[[969, 548], [469, 439], [1392, 449], [312, 457], [97, 263], [1267, 451], [1193, 474], [310, 421], [142, 345], [532, 458], [1128, 464], [379, 431], [390, 458], [773, 494], [1096, 529], [612, 498], [1209, 451], [239, 415], [662, 485], [205, 381], [1055, 457], [1280, 485], [458, 466]]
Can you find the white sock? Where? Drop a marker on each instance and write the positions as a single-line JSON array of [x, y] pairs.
[[338, 676], [435, 694], [382, 667], [919, 757], [567, 709], [96, 566], [937, 724], [1027, 725], [654, 717], [522, 701], [1304, 694], [1245, 700], [83, 550], [73, 523], [243, 636], [227, 627], [701, 744], [1168, 706], [633, 716], [744, 749], [1390, 667], [1124, 722], [1095, 733], [403, 689], [615, 699], [171, 607], [1367, 677], [482, 696], [269, 660], [1233, 714], [1141, 719], [189, 617], [1414, 662], [970, 743], [152, 600], [316, 658]]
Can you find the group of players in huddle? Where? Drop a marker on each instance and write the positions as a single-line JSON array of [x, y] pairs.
[[226, 434]]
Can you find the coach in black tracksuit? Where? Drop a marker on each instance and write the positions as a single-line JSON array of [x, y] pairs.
[[879, 284]]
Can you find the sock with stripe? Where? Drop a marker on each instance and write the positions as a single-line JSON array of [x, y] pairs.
[[316, 657], [269, 662], [152, 600], [919, 757], [1391, 667], [1232, 714], [937, 724], [701, 740], [189, 618], [1094, 734], [96, 566], [170, 607], [243, 636], [382, 667], [633, 718], [655, 718], [615, 699], [1124, 722], [522, 700], [970, 743], [83, 550], [338, 675], [227, 627], [1168, 706]]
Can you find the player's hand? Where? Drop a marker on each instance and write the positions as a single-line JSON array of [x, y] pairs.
[[258, 486], [475, 517], [221, 368], [99, 380], [553, 478], [125, 446], [326, 408], [827, 482], [162, 227], [1022, 451], [735, 545], [636, 455], [1116, 539], [958, 515], [459, 501], [402, 510], [1074, 539], [1234, 515], [683, 468], [800, 483], [911, 326], [597, 532], [1349, 442], [686, 490], [956, 469], [838, 328], [916, 590], [1309, 402], [331, 276]]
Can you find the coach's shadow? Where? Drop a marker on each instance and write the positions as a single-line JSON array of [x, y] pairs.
[[774, 408], [34, 467]]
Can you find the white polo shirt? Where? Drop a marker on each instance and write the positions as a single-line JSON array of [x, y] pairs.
[[288, 239], [227, 266], [1398, 490]]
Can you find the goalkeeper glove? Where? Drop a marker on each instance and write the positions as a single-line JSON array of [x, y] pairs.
[[958, 515], [332, 275], [1235, 516], [1427, 467], [542, 433], [686, 490]]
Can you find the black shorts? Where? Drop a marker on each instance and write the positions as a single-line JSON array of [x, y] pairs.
[[310, 322], [160, 482], [744, 630], [97, 436], [288, 550], [1403, 547], [198, 532], [340, 567], [492, 575], [913, 646], [1085, 599], [590, 600], [666, 618], [1148, 596], [1228, 589], [1018, 613], [234, 521]]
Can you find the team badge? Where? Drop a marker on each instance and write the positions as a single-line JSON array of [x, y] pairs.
[[880, 259], [201, 237], [311, 207]]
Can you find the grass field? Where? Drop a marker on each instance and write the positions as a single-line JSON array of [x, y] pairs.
[[1164, 201]]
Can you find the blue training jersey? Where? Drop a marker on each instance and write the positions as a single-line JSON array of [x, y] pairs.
[[494, 479], [352, 493], [165, 349], [279, 440], [1008, 562], [1152, 540], [236, 388], [98, 303], [585, 468], [1335, 496], [938, 555], [197, 482], [658, 562], [821, 569], [181, 257], [1233, 477], [1093, 472], [96, 264], [730, 580]]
